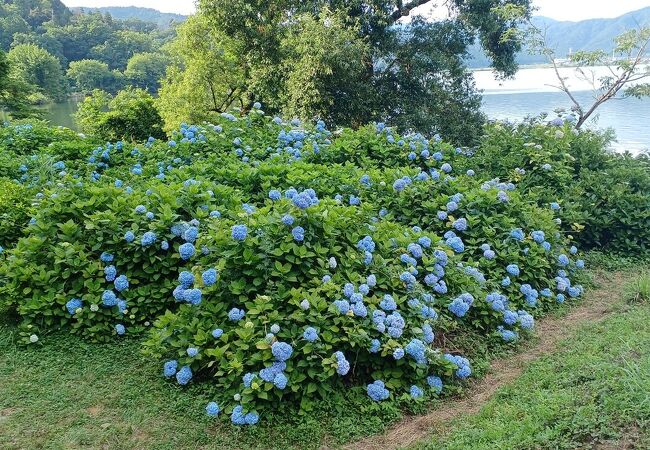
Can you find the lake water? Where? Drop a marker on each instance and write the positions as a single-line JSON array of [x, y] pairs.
[[529, 94]]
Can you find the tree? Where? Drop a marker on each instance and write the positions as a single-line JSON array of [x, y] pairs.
[[121, 46], [14, 92], [624, 73], [146, 70], [130, 115], [204, 77], [89, 74], [384, 69], [36, 66]]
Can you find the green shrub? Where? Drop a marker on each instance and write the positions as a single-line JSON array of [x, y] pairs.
[[14, 211], [366, 202], [604, 196]]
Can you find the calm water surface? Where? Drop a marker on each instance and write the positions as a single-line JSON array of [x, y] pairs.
[[530, 94]]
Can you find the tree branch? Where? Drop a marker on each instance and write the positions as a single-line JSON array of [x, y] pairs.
[[405, 10]]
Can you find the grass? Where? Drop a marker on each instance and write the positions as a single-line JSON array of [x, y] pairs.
[[69, 393], [72, 394], [595, 391]]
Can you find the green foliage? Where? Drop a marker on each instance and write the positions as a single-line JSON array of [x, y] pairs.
[[130, 115], [121, 46], [80, 42], [87, 202], [344, 62], [89, 74], [146, 70], [591, 391], [39, 68], [638, 290], [604, 196], [14, 211], [14, 91], [203, 78]]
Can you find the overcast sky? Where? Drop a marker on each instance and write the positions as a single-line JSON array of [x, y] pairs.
[[556, 9]]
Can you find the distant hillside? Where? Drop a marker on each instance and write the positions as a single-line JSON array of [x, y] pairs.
[[564, 36], [132, 12]]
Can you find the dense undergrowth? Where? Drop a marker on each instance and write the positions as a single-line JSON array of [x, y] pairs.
[[285, 263]]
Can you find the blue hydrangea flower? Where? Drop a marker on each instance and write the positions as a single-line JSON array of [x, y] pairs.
[[121, 283], [281, 351], [416, 392], [427, 333], [184, 375], [169, 368], [106, 257], [374, 346], [186, 279], [217, 333], [192, 352], [209, 277], [186, 251], [274, 194], [119, 329], [239, 232], [109, 299], [73, 305], [342, 364], [110, 272], [310, 334], [148, 238], [191, 234], [140, 209], [513, 269], [416, 350], [563, 260], [398, 353], [435, 383], [388, 303], [236, 314], [517, 234], [298, 234], [460, 224], [164, 245], [212, 409], [377, 391], [129, 236], [304, 304], [280, 380]]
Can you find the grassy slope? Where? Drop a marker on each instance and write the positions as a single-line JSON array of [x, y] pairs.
[[595, 390]]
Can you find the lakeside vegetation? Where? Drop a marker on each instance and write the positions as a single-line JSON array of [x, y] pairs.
[[263, 261]]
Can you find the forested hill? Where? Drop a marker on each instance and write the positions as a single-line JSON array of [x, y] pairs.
[[567, 36], [132, 12]]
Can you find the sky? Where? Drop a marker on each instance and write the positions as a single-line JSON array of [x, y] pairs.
[[556, 9]]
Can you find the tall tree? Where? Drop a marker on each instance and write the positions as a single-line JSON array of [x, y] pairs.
[[409, 73], [14, 92], [36, 66]]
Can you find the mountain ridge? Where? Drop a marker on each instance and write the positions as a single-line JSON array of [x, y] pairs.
[[566, 36], [162, 19]]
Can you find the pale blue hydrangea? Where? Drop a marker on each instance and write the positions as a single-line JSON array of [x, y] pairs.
[[212, 409], [239, 232], [236, 314], [281, 351], [186, 251], [377, 391], [169, 368], [121, 283]]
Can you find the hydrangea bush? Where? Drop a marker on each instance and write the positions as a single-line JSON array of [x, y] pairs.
[[283, 262]]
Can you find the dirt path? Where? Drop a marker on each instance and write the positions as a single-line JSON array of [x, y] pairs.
[[597, 305]]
